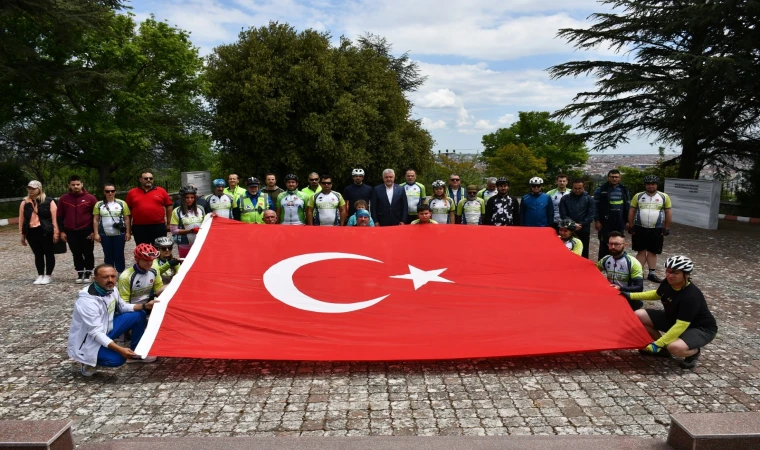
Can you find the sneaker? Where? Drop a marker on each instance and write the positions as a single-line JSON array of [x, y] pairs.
[[87, 277], [147, 359], [80, 278], [664, 353], [87, 371], [654, 278], [46, 279], [39, 279], [690, 362]]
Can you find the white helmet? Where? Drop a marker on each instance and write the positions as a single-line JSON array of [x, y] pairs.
[[536, 181], [679, 263], [357, 172]]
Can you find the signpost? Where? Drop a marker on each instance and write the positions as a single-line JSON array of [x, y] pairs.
[[201, 180], [695, 202]]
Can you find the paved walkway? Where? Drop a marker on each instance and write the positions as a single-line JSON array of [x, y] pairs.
[[595, 393]]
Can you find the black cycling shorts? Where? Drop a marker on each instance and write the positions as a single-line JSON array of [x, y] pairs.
[[694, 337], [649, 239]]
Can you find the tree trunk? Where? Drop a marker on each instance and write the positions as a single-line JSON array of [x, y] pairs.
[[688, 165], [104, 175]]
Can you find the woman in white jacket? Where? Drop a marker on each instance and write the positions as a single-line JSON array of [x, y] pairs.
[[99, 317]]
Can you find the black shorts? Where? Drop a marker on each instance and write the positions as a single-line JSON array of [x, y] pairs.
[[694, 337], [649, 239]]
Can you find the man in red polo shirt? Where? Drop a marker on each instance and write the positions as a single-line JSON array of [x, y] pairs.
[[151, 209]]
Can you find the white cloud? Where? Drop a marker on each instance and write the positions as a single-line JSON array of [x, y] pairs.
[[464, 118], [430, 124], [441, 98], [483, 124], [506, 120]]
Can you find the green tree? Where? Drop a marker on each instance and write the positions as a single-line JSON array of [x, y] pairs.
[[518, 163], [692, 79], [407, 71], [285, 101], [546, 138], [131, 97], [465, 166]]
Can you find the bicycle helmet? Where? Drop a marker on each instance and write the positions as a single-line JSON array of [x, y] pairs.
[[651, 179], [290, 176], [146, 252], [163, 241], [357, 172], [536, 181], [219, 183], [502, 180], [438, 183], [253, 181], [679, 263], [184, 190], [567, 223]]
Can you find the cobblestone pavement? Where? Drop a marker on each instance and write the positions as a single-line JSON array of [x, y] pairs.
[[617, 392]]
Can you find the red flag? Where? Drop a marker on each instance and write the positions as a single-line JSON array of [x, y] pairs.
[[409, 292]]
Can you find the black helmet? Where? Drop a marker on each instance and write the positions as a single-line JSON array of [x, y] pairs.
[[502, 180], [253, 181], [189, 189], [651, 179], [291, 176]]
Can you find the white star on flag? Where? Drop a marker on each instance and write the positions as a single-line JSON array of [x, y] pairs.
[[422, 277]]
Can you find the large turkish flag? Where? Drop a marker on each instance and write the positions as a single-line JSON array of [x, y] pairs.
[[408, 292]]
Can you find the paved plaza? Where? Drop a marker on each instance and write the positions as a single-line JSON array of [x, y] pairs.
[[604, 393]]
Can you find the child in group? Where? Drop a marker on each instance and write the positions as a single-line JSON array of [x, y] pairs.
[[360, 205], [424, 215]]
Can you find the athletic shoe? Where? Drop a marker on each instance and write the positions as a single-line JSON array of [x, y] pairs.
[[80, 278], [690, 362], [39, 279], [653, 277], [46, 279], [664, 353], [87, 371], [87, 277], [148, 359]]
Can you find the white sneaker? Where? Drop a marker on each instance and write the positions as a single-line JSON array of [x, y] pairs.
[[87, 277], [80, 278], [39, 279], [46, 279], [87, 371], [147, 359]]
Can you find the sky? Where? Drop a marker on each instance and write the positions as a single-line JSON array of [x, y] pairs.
[[485, 60]]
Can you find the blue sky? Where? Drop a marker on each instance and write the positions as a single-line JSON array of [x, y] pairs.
[[485, 59]]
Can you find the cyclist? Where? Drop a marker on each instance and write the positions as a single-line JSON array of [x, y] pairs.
[[567, 234], [442, 207], [224, 205], [254, 203], [166, 264], [291, 203], [415, 193], [471, 209], [187, 217], [649, 222], [556, 195], [622, 271], [141, 282], [357, 191], [685, 318], [488, 191], [424, 216], [502, 209], [536, 209], [326, 208]]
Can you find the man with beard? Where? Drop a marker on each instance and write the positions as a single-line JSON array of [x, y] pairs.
[[502, 209], [357, 191], [623, 272], [471, 209]]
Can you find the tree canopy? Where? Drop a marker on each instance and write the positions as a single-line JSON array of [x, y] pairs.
[[518, 163], [287, 101], [550, 140], [124, 96], [693, 82]]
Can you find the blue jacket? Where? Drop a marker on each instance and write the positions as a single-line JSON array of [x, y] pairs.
[[536, 210]]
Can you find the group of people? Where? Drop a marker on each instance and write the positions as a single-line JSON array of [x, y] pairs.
[[148, 214]]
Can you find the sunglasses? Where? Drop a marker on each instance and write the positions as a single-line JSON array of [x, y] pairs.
[[147, 178], [472, 192], [453, 179], [165, 249], [326, 182], [313, 179], [109, 191]]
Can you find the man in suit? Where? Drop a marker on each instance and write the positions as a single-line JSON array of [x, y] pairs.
[[389, 205]]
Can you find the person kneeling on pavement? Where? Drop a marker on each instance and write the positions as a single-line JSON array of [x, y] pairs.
[[686, 321], [100, 316]]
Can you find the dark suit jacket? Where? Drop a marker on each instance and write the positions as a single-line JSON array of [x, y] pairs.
[[385, 214]]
